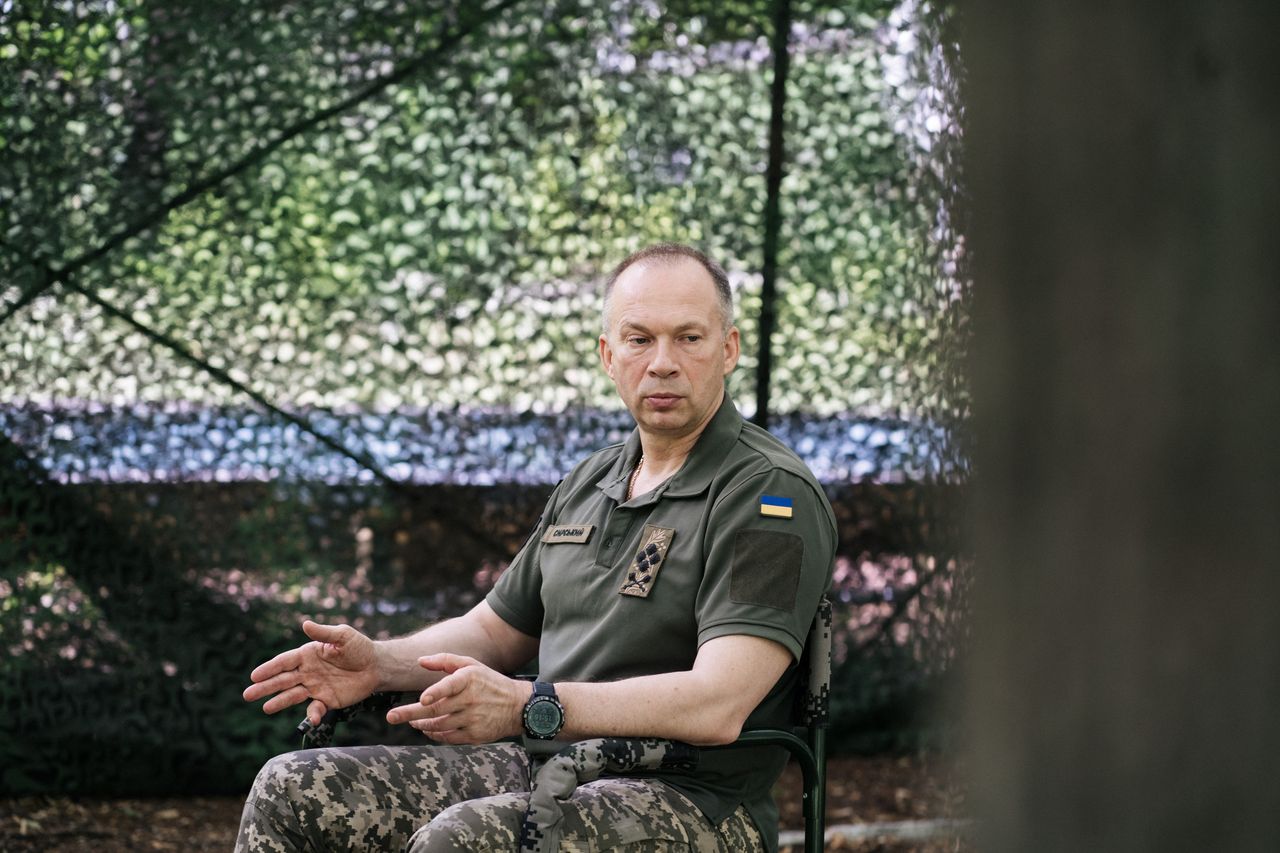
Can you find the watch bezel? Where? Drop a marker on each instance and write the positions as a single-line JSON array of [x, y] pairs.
[[543, 694]]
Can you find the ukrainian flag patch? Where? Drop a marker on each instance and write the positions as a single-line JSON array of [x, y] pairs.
[[775, 507]]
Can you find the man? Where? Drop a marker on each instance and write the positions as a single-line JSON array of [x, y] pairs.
[[666, 592]]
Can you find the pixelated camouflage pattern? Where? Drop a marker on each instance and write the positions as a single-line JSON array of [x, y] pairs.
[[369, 797], [637, 815], [444, 798], [585, 761], [815, 704], [542, 818]]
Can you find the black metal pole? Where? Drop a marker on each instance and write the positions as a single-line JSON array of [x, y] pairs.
[[773, 208]]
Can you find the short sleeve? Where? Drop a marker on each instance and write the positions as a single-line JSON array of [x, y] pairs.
[[769, 550], [517, 596]]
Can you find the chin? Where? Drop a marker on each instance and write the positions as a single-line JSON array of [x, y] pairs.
[[664, 422]]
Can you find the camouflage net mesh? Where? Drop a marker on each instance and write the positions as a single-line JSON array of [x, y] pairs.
[[298, 306]]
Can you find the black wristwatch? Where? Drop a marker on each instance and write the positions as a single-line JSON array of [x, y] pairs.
[[543, 715]]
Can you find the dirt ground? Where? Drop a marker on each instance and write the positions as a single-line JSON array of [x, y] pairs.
[[861, 790]]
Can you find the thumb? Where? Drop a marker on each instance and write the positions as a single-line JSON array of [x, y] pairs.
[[334, 634], [445, 663], [316, 711]]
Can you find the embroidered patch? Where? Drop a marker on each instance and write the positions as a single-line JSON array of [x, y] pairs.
[[775, 507], [575, 533], [643, 571]]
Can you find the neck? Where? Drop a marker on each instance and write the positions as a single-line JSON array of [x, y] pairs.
[[662, 459], [664, 454]]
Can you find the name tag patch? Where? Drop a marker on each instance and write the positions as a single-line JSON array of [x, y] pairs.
[[578, 534], [642, 574]]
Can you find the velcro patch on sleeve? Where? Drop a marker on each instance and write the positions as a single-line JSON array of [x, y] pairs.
[[766, 568]]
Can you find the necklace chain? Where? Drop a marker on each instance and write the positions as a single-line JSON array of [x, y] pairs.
[[635, 475]]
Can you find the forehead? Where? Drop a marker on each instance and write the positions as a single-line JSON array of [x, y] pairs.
[[679, 289]]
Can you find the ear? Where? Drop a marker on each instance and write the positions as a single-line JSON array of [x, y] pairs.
[[732, 349], [606, 356]]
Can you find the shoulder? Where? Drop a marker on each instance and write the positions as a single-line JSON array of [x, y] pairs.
[[761, 464], [758, 453], [771, 453]]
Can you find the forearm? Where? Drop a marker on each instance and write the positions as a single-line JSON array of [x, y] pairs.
[[479, 634], [705, 705], [676, 705]]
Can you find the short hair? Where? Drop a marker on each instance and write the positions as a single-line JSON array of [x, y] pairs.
[[669, 253]]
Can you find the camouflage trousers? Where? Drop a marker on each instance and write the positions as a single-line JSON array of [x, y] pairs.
[[436, 798]]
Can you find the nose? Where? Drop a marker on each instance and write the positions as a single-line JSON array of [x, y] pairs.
[[662, 363]]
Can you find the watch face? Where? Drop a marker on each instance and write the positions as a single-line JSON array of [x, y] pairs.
[[543, 718]]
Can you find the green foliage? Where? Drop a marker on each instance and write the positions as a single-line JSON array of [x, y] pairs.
[[441, 240], [296, 209]]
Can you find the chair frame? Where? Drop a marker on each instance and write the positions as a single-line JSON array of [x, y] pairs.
[[807, 743]]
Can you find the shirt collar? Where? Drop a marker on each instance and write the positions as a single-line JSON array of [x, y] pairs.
[[695, 474]]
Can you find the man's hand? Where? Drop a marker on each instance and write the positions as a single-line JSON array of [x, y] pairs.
[[336, 669], [471, 704]]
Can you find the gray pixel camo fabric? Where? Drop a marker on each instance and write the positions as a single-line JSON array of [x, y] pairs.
[[383, 798], [369, 797], [584, 762]]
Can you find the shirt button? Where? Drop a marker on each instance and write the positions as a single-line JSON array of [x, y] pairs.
[[608, 543]]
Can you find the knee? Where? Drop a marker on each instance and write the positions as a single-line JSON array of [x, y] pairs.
[[289, 793], [448, 832], [461, 827], [270, 819], [279, 778]]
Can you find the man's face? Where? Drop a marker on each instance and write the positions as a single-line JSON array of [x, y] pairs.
[[665, 348]]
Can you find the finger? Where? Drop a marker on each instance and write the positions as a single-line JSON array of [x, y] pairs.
[[287, 699], [316, 711], [443, 734], [433, 725], [446, 688], [408, 713], [275, 684], [282, 662], [439, 724], [446, 662], [254, 692]]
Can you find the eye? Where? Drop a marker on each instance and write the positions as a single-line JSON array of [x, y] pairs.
[[637, 340], [693, 339]]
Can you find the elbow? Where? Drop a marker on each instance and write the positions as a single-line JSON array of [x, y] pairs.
[[722, 731]]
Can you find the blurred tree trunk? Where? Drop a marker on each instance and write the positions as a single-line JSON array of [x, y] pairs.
[[1126, 196]]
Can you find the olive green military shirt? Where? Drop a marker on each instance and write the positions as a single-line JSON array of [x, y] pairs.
[[740, 541]]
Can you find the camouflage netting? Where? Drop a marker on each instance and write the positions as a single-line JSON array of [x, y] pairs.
[[298, 307]]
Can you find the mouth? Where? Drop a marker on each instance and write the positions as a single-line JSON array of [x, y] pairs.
[[662, 400]]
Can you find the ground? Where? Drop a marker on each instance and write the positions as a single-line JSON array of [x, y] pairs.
[[861, 790]]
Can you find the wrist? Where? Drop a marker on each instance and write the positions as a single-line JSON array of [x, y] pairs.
[[383, 669], [542, 717]]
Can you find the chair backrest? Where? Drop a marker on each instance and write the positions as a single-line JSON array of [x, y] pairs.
[[815, 699]]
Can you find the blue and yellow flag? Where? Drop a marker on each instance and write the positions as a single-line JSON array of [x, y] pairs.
[[775, 507]]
